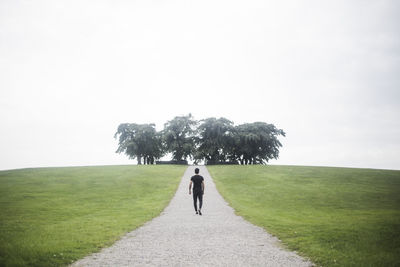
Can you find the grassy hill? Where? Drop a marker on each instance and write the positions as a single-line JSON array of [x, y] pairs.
[[53, 216], [335, 216]]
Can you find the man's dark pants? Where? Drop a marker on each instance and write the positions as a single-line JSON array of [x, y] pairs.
[[197, 194]]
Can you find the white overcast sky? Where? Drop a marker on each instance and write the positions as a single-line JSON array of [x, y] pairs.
[[326, 72]]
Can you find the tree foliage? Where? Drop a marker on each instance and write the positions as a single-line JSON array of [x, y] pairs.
[[214, 140], [256, 143], [140, 141], [178, 137]]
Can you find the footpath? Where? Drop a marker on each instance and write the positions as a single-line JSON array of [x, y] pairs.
[[179, 237]]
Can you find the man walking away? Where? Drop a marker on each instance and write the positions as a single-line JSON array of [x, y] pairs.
[[198, 190]]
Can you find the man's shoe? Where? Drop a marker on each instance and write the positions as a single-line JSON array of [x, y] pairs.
[[199, 212]]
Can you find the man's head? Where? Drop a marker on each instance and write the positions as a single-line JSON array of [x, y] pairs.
[[196, 171]]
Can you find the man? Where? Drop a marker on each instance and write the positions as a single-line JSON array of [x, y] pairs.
[[198, 190]]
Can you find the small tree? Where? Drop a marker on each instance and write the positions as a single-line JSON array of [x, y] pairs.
[[178, 137], [140, 141], [257, 142], [214, 137]]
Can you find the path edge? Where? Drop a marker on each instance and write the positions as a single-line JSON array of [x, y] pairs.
[[139, 226], [279, 243]]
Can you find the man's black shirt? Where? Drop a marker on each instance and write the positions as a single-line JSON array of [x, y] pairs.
[[197, 180]]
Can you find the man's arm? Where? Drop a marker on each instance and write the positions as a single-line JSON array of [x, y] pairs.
[[202, 186], [190, 187]]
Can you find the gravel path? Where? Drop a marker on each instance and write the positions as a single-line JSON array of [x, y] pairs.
[[179, 237]]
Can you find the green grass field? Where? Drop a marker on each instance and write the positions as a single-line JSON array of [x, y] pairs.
[[53, 216], [334, 216]]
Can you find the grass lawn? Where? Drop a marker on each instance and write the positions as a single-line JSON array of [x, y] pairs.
[[53, 216], [334, 216]]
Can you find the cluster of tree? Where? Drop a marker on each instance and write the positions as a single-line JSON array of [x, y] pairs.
[[213, 140]]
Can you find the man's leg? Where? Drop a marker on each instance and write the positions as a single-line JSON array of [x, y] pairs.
[[200, 195], [195, 201]]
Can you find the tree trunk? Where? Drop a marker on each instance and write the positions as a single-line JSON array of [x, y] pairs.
[[139, 160], [178, 156]]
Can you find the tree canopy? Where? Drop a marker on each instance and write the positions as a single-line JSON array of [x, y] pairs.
[[178, 137], [212, 140], [140, 141], [256, 142]]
